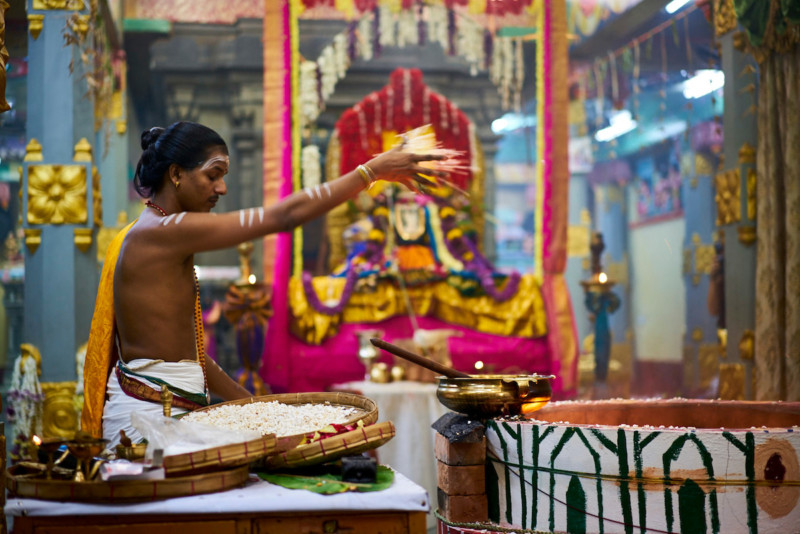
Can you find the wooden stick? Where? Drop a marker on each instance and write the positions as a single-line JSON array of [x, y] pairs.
[[427, 363]]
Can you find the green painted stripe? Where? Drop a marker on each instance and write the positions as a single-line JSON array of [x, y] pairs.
[[624, 490], [748, 449]]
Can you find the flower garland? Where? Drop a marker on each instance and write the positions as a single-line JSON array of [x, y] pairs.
[[25, 399], [414, 25], [312, 171]]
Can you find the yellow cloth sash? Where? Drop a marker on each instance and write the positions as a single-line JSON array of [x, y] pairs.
[[101, 352]]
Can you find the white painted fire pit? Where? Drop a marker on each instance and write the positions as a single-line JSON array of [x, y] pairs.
[[630, 466]]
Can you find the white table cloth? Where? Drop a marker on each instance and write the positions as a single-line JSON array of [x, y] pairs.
[[257, 496], [413, 408]]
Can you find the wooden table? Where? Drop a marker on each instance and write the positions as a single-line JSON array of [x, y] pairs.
[[259, 507]]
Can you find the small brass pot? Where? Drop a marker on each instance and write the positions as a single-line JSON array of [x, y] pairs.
[[486, 396]]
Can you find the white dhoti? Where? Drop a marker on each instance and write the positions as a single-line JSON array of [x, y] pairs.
[[186, 375]]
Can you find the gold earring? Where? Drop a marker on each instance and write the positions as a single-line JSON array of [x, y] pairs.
[[177, 184]]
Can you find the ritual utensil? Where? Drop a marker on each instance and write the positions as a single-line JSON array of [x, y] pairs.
[[482, 396], [367, 353], [601, 302], [84, 447], [48, 446]]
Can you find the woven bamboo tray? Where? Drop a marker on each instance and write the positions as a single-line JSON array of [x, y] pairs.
[[367, 410], [325, 450], [124, 491], [216, 458]]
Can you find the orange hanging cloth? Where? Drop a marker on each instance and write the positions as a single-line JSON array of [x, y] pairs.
[[101, 352]]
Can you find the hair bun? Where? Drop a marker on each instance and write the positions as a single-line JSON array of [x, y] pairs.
[[149, 137]]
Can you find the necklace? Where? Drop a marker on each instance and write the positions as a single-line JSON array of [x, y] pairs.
[[156, 207]]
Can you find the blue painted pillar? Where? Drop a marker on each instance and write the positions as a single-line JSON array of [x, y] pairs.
[[700, 344], [736, 216], [57, 194]]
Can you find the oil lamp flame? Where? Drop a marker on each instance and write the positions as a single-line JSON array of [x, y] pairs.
[[36, 440], [251, 279], [602, 278]]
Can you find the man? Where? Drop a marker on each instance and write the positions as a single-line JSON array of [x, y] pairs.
[[147, 327]]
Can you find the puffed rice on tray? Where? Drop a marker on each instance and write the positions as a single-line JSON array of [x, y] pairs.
[[273, 417]]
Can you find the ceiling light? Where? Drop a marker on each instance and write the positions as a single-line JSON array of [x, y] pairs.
[[675, 5], [621, 123], [702, 83], [512, 121]]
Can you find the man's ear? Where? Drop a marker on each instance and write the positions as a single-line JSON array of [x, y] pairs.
[[174, 172]]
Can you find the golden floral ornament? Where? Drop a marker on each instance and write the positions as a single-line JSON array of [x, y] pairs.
[[728, 197], [59, 417], [57, 194]]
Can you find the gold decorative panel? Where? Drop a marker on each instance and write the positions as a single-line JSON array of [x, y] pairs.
[[704, 259], [747, 345], [35, 25], [728, 197], [724, 17], [747, 234], [618, 270], [697, 334], [33, 238], [731, 381], [578, 241], [80, 25], [702, 165], [57, 194], [73, 5], [747, 153], [97, 198], [83, 238], [751, 193], [59, 416], [82, 150], [33, 150], [708, 364]]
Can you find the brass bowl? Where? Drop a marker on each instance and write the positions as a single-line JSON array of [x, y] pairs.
[[486, 396]]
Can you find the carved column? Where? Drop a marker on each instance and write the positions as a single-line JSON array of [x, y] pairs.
[[736, 205], [60, 195]]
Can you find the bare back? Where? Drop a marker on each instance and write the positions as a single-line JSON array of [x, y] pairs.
[[154, 297]]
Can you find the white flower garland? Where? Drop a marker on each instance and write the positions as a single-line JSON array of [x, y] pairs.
[[506, 68], [309, 97], [386, 27], [312, 171], [340, 59], [365, 38], [328, 72], [25, 399], [407, 30]]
